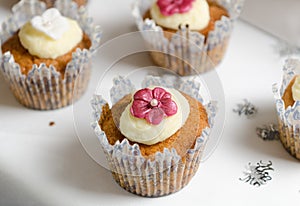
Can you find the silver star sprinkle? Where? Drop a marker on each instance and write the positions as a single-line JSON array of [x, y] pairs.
[[268, 132], [258, 174], [246, 109]]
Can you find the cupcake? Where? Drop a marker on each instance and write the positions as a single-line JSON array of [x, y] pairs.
[[51, 3], [182, 27], [153, 137], [288, 107], [46, 54]]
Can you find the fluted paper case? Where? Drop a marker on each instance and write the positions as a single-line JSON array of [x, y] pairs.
[[288, 118], [167, 172], [44, 88], [187, 52]]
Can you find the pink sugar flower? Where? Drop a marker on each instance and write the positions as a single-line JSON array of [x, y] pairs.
[[170, 7], [153, 105]]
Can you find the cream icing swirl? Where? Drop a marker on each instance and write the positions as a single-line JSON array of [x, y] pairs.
[[197, 17], [139, 130], [296, 89], [50, 36]]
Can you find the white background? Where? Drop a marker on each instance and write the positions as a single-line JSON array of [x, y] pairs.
[[43, 165], [281, 18]]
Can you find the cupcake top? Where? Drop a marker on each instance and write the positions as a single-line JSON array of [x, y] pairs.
[[296, 88], [195, 117], [170, 14], [50, 35], [153, 115]]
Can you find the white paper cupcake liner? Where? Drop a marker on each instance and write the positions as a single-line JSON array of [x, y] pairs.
[[167, 172], [44, 88], [51, 3], [289, 118], [187, 52]]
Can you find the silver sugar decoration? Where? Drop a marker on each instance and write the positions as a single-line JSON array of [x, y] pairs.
[[269, 132], [247, 109], [257, 174]]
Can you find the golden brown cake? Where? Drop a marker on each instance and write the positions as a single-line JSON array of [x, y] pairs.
[[288, 96], [182, 140], [26, 60]]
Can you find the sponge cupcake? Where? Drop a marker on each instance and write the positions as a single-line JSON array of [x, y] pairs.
[[287, 97], [153, 137], [43, 58], [195, 32]]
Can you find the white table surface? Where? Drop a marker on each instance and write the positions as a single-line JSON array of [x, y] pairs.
[[281, 18], [43, 165]]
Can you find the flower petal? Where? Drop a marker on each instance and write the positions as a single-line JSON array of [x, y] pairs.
[[158, 93], [155, 116], [170, 7], [185, 6], [169, 106], [164, 3], [167, 95], [143, 94], [139, 108]]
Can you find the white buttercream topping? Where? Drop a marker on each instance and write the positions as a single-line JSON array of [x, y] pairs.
[[50, 35], [296, 89], [51, 23], [197, 18], [139, 130]]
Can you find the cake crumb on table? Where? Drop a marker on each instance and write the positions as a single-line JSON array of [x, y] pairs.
[[51, 123]]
